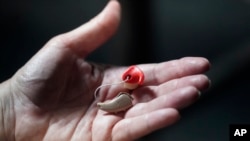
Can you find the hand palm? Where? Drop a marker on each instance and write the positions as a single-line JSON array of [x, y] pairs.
[[60, 92], [54, 91]]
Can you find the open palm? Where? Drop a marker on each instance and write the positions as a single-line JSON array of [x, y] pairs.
[[52, 96]]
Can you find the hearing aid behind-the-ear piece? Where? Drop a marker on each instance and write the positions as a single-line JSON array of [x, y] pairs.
[[120, 103]]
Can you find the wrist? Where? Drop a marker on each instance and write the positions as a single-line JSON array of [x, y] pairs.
[[4, 109]]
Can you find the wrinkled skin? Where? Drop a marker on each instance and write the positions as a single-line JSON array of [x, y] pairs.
[[52, 96]]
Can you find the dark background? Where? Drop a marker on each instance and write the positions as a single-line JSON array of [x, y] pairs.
[[151, 31]]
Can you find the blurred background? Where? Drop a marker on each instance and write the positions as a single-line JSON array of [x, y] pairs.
[[151, 31]]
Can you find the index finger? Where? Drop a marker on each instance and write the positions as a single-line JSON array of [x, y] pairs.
[[156, 74]]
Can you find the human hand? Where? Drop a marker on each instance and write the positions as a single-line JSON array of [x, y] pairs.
[[52, 96]]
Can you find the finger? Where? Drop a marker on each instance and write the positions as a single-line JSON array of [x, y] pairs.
[[144, 124], [89, 36], [144, 94], [156, 74], [178, 99], [200, 81]]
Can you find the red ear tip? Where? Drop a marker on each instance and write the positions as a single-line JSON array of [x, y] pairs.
[[133, 75]]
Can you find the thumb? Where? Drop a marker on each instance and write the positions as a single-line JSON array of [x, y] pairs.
[[86, 38]]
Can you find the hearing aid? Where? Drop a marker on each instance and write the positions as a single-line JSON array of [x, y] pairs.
[[131, 79]]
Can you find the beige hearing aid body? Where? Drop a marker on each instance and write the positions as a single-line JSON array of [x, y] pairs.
[[121, 102]]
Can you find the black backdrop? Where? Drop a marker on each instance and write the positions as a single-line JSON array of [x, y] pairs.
[[151, 31]]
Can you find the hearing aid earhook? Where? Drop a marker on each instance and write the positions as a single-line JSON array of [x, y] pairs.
[[104, 85]]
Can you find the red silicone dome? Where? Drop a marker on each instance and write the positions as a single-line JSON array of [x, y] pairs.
[[133, 75]]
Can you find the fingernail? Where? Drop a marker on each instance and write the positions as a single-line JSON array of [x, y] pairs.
[[199, 94], [209, 83]]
